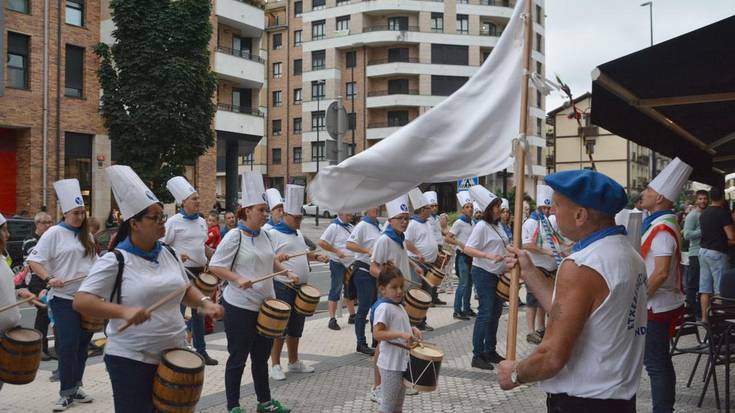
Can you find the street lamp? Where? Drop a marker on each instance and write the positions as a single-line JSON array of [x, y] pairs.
[[319, 89], [650, 17]]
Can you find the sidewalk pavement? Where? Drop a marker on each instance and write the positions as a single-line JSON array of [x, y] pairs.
[[343, 377]]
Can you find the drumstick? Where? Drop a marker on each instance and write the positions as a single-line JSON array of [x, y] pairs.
[[297, 255], [75, 279], [265, 277], [17, 303], [170, 296]]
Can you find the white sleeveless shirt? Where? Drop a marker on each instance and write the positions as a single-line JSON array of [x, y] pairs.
[[607, 357]]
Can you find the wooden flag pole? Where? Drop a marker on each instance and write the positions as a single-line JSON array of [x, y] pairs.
[[520, 154]]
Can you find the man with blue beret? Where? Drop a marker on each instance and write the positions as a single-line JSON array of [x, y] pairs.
[[591, 356]]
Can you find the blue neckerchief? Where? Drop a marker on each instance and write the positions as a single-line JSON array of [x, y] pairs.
[[598, 235], [649, 219], [341, 224], [151, 255], [475, 221], [375, 307], [416, 218], [190, 217], [371, 221], [251, 232], [535, 215], [392, 234], [270, 222], [508, 231], [76, 231], [464, 218], [282, 227]]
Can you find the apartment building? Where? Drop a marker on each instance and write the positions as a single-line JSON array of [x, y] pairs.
[[50, 128]]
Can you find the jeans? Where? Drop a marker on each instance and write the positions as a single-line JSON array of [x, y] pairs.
[[464, 288], [196, 325], [71, 345], [337, 276], [711, 266], [692, 287], [488, 312], [563, 403], [657, 360], [366, 295], [41, 324], [132, 384], [243, 340]]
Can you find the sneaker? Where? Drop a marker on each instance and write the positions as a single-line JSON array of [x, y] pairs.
[[492, 357], [272, 406], [364, 349], [470, 313], [276, 373], [82, 397], [351, 320], [480, 363], [375, 394], [46, 357], [64, 403], [533, 338], [209, 361], [237, 409], [333, 324], [54, 376], [299, 367], [460, 316], [437, 301], [424, 327], [411, 391]]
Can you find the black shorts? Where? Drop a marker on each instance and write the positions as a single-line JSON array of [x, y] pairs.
[[350, 288], [295, 326]]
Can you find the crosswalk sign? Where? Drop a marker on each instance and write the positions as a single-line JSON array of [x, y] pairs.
[[464, 184]]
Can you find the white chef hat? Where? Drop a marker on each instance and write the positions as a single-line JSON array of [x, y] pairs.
[[543, 195], [431, 197], [397, 206], [253, 191], [475, 207], [131, 194], [294, 200], [464, 198], [417, 199], [482, 196], [671, 180], [274, 198], [180, 188], [69, 194], [504, 203], [2, 219]]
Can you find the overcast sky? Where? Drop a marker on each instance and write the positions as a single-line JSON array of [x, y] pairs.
[[582, 34]]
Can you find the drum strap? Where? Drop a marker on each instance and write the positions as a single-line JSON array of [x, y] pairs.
[[117, 288]]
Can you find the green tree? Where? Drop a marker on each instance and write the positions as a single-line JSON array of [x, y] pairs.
[[157, 100]]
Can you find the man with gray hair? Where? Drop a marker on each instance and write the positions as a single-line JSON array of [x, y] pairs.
[[43, 221]]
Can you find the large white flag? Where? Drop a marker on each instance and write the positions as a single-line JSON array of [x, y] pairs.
[[468, 134]]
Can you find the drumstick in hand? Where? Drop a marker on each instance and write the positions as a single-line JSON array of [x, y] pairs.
[[159, 303], [17, 303], [265, 277], [297, 255], [74, 280]]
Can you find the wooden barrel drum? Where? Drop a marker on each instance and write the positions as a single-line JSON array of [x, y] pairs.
[[90, 324], [206, 283], [423, 368], [273, 318], [178, 383], [418, 302], [20, 355], [307, 299], [433, 275]]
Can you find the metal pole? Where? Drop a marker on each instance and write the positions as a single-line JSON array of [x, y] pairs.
[[318, 99], [650, 18]]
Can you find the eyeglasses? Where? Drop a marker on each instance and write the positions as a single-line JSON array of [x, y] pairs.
[[406, 219], [158, 219]]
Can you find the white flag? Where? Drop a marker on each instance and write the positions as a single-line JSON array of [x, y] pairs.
[[468, 134]]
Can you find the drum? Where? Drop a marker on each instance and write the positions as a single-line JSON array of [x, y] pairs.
[[90, 324], [433, 275], [423, 368], [418, 302], [273, 318], [307, 298], [442, 259], [206, 283], [20, 355], [502, 289], [178, 382]]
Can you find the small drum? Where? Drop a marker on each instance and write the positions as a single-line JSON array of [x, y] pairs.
[[502, 289], [442, 259], [177, 385], [273, 318], [307, 298], [418, 302], [423, 368], [206, 283], [433, 275], [20, 355], [90, 324]]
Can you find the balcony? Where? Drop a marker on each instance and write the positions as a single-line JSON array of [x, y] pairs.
[[240, 66], [409, 97], [385, 34], [239, 119], [496, 8], [411, 66], [380, 130], [247, 16]]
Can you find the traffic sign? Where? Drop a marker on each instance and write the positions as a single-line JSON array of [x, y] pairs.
[[466, 183]]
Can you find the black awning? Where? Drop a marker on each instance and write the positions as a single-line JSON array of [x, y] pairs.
[[677, 98]]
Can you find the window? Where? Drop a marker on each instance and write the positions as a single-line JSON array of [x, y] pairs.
[[486, 54], [297, 67], [297, 154], [351, 89], [539, 156], [437, 22], [276, 127], [539, 68], [317, 120], [317, 30], [397, 118], [398, 54], [450, 54], [298, 8], [276, 156], [75, 12], [343, 24], [463, 24], [317, 4], [277, 98], [350, 149], [539, 41], [318, 57], [248, 159], [78, 161], [342, 2], [463, 2], [317, 151], [297, 38], [351, 121], [18, 60], [297, 125], [539, 14], [242, 100], [297, 96], [489, 29], [398, 23], [277, 41], [351, 59], [539, 127], [317, 89], [242, 46], [74, 72], [397, 86], [539, 99], [19, 6], [446, 85], [277, 73]]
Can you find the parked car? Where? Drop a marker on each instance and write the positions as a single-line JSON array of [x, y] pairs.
[[20, 229], [310, 209]]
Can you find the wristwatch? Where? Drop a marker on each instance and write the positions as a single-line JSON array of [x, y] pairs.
[[514, 376], [203, 299]]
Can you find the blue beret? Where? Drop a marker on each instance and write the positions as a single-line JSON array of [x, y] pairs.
[[589, 189]]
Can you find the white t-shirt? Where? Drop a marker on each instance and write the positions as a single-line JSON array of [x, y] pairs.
[[668, 296], [385, 249], [394, 318], [436, 228], [291, 244], [364, 234], [461, 231], [187, 237], [422, 236], [144, 282], [488, 238], [8, 318], [530, 227], [62, 255], [336, 235], [254, 259]]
